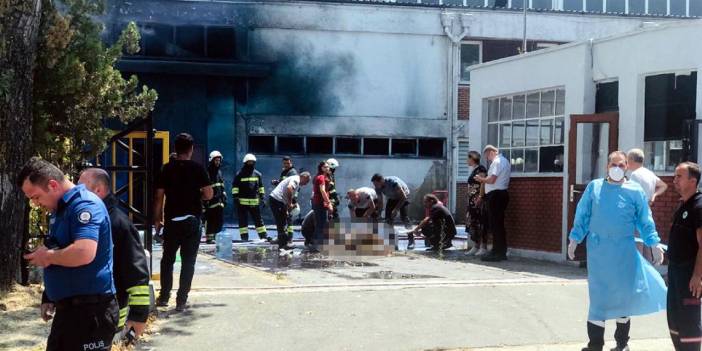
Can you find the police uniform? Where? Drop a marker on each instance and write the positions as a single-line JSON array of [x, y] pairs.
[[214, 208], [248, 191], [86, 310], [683, 308], [131, 269]]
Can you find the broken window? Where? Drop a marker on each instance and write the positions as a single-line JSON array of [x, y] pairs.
[[376, 146], [432, 148], [221, 42], [404, 147], [348, 146], [291, 145], [320, 145], [551, 159], [157, 39], [190, 41], [670, 103], [261, 144]]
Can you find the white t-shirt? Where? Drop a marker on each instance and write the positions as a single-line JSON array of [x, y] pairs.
[[499, 167], [365, 197], [281, 193], [646, 179]]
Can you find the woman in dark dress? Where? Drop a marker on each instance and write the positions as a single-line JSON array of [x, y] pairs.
[[475, 216]]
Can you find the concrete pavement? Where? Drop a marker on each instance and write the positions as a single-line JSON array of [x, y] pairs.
[[413, 301]]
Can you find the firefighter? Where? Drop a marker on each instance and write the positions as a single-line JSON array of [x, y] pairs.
[[214, 208], [288, 171], [130, 266], [333, 195], [248, 192]]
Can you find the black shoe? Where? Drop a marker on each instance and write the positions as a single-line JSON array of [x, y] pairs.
[[493, 258], [618, 348], [180, 307], [161, 302]]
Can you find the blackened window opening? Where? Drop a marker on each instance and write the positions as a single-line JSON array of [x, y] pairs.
[[607, 97], [404, 147], [376, 146], [320, 145], [670, 101], [349, 146], [291, 145], [262, 144], [431, 148]]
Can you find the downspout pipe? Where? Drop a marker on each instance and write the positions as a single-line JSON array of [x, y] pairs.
[[453, 62]]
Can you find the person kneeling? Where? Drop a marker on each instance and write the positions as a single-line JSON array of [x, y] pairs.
[[438, 227]]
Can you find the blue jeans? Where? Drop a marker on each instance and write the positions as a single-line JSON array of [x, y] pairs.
[[320, 219]]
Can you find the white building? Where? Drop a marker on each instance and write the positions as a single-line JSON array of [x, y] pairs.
[[556, 113]]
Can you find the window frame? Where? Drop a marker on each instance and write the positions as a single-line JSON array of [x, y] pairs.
[[462, 81]]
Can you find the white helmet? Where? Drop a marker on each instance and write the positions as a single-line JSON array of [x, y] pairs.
[[214, 154], [295, 211], [333, 163], [249, 157]]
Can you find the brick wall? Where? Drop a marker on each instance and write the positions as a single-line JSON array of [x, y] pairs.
[[461, 202], [463, 102], [664, 208], [535, 213]]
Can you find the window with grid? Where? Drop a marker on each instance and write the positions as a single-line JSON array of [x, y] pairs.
[[528, 128]]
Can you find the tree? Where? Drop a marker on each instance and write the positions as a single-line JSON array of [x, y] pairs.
[[18, 45], [58, 86]]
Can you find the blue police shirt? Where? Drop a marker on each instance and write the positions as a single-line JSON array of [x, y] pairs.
[[80, 215]]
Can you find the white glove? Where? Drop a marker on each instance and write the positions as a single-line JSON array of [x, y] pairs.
[[572, 245], [658, 254]]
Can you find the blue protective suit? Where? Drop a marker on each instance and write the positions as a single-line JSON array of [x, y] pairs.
[[621, 282]]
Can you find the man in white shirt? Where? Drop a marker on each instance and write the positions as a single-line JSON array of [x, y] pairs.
[[363, 203], [281, 201], [497, 198], [651, 184]]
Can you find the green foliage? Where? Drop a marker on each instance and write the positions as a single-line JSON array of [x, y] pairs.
[[77, 88]]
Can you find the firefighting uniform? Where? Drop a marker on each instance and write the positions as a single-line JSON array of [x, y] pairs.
[[248, 192], [334, 197], [683, 308], [214, 208], [131, 268]]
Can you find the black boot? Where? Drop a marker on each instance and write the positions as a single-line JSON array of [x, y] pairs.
[[596, 335], [621, 335], [410, 241], [244, 237]]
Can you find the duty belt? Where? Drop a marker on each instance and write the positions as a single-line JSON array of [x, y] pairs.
[[84, 300]]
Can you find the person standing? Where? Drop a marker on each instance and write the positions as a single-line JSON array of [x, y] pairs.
[[607, 214], [77, 260], [321, 205], [496, 199], [130, 266], [248, 192], [475, 214], [333, 195], [214, 208], [685, 261], [288, 171], [184, 185], [397, 193], [438, 227], [651, 184], [281, 201], [363, 203]]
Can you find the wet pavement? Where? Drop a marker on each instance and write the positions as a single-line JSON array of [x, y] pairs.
[[408, 300]]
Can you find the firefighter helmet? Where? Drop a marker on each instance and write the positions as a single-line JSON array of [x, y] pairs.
[[249, 157], [214, 154], [333, 163]]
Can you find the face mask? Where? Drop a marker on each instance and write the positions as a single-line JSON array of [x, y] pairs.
[[616, 174]]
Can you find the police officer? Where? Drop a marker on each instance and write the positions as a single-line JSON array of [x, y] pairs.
[[214, 208], [248, 191], [685, 267], [131, 269], [77, 260], [288, 171], [333, 195]]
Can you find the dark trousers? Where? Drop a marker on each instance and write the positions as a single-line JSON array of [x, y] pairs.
[[215, 220], [84, 326], [280, 214], [497, 201], [390, 205], [683, 309], [185, 235], [243, 211], [321, 216], [438, 236]]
